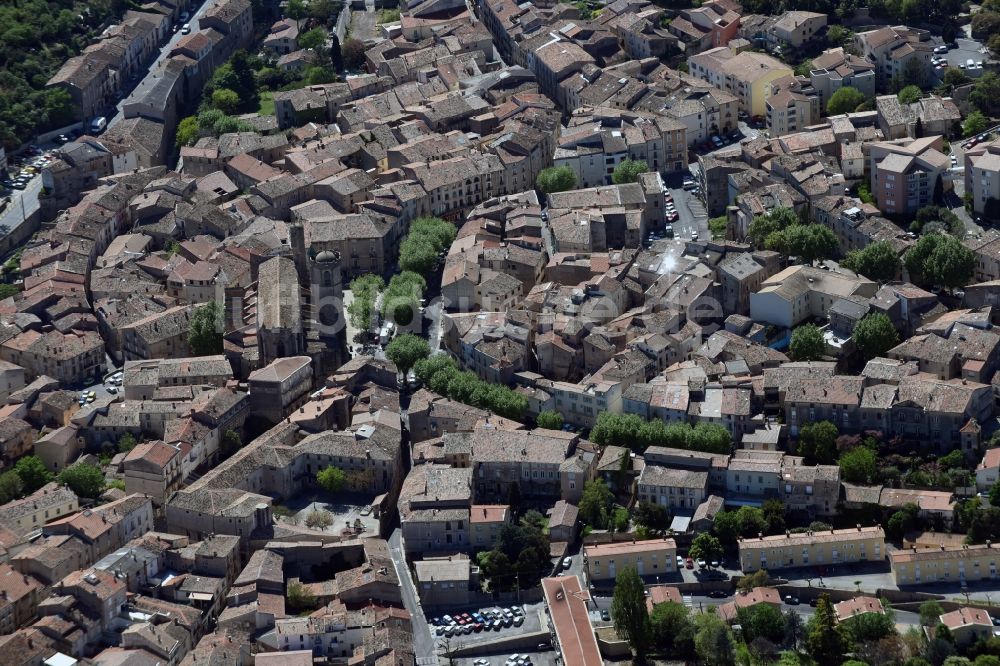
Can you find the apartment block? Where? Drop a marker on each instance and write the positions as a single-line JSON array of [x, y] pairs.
[[649, 558], [784, 551]]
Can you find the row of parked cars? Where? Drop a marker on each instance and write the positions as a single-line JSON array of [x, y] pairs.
[[512, 660], [493, 619]]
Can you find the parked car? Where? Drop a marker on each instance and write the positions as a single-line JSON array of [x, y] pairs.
[[185, 29], [791, 600], [689, 563], [718, 594], [567, 562], [605, 615]]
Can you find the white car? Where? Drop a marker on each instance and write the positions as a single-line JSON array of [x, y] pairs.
[[567, 562], [186, 29]]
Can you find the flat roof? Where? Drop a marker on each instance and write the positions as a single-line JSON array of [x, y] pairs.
[[567, 602]]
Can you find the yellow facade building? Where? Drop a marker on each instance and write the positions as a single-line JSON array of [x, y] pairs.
[[783, 551], [649, 558]]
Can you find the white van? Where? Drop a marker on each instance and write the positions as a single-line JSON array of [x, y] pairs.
[[98, 124]]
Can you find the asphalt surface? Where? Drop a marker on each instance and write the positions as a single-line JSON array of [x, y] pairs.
[[154, 66], [22, 204], [424, 648]]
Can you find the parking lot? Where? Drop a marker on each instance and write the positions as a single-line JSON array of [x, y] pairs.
[[967, 49], [536, 658], [460, 629]]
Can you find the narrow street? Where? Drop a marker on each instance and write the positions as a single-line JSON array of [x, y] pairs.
[[150, 77], [423, 642], [22, 204]]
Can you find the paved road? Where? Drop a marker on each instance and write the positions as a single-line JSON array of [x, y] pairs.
[[154, 66], [22, 203], [423, 642]]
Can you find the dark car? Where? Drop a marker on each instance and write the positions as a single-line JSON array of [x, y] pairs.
[[605, 615], [718, 594], [791, 601]]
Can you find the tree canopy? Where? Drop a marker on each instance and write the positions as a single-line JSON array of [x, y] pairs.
[[858, 465], [32, 472], [441, 375], [818, 443], [556, 179], [939, 259], [910, 94], [632, 431], [875, 335], [628, 610], [83, 479], [550, 419], [975, 123], [595, 504], [205, 330], [823, 642], [427, 238], [364, 291], [877, 261], [405, 350], [520, 557], [332, 479], [628, 171], [706, 547], [807, 343], [844, 100]]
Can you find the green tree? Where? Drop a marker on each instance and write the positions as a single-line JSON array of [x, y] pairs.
[[807, 343], [300, 598], [930, 613], [845, 100], [556, 179], [205, 330], [312, 39], [823, 642], [231, 443], [706, 547], [336, 56], [759, 578], [331, 479], [836, 35], [877, 261], [405, 350], [353, 53], [718, 226], [858, 465], [985, 94], [769, 225], [975, 123], [11, 486], [902, 521], [628, 171], [818, 443], [187, 132], [875, 335], [713, 642], [33, 473], [654, 517], [761, 621], [83, 479], [226, 100], [628, 611], [810, 242], [954, 77], [296, 10], [940, 259], [364, 291], [909, 94], [595, 503], [427, 238], [672, 630], [550, 419], [126, 443]]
